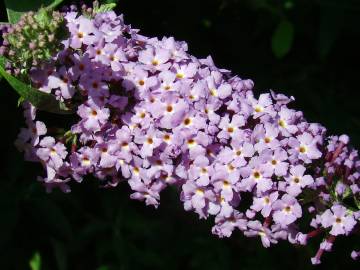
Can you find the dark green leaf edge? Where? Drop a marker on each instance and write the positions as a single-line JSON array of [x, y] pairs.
[[40, 100]]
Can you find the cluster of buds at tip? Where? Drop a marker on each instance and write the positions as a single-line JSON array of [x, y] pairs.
[[35, 38]]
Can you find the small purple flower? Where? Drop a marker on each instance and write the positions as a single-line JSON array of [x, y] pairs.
[[286, 120], [217, 90], [93, 117], [62, 80], [230, 128], [149, 142], [147, 192], [256, 174], [167, 82], [82, 65], [51, 152], [355, 254], [83, 162], [305, 147], [55, 183], [255, 228], [340, 221], [297, 180], [155, 58], [266, 137], [260, 106], [287, 210], [94, 86], [196, 197], [185, 71], [225, 226], [200, 171], [277, 161], [82, 30], [264, 203], [142, 81], [237, 154], [33, 132]]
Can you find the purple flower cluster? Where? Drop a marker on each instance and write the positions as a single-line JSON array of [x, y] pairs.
[[152, 115]]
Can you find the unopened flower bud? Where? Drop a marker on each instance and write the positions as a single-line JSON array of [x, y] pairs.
[[51, 37], [32, 45], [344, 139]]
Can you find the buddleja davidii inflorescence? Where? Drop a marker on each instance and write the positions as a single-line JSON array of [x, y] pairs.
[[152, 115]]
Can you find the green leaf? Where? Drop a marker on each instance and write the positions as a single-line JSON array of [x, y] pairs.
[[347, 193], [20, 101], [54, 4], [40, 100], [15, 8], [357, 202], [282, 38], [35, 262], [105, 8]]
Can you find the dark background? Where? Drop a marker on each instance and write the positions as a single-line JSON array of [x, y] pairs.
[[103, 229]]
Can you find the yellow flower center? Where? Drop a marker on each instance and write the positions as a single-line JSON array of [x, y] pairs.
[[199, 191], [136, 170], [258, 109], [169, 108], [213, 92], [166, 137], [256, 175], [282, 123], [187, 121]]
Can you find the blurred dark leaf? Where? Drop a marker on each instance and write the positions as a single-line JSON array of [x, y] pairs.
[[331, 21], [15, 8], [9, 213], [103, 268], [282, 38], [110, 1], [60, 254], [50, 216], [289, 4]]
